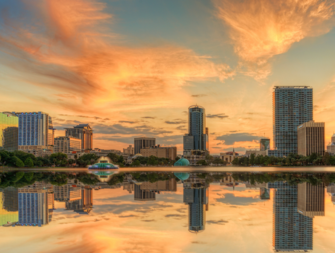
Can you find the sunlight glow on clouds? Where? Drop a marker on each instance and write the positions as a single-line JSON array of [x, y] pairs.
[[261, 29]]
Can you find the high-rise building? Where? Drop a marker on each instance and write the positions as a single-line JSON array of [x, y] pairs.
[[197, 201], [264, 144], [51, 133], [129, 150], [67, 144], [292, 106], [33, 207], [331, 146], [9, 125], [160, 152], [311, 199], [311, 138], [33, 128], [83, 132], [143, 142], [143, 195], [292, 231], [197, 137]]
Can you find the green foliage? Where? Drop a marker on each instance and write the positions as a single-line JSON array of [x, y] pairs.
[[29, 162], [17, 162], [135, 163], [202, 162], [87, 159], [114, 157], [116, 179]]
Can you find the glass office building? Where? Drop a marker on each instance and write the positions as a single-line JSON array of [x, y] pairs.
[[9, 124], [33, 128], [292, 106], [292, 231], [196, 198], [197, 137]]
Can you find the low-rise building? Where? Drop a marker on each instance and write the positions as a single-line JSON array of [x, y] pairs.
[[229, 156], [193, 156], [331, 146], [129, 150], [38, 151], [160, 152], [255, 152]]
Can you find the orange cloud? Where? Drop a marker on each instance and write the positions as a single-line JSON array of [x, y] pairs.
[[78, 54], [261, 29]]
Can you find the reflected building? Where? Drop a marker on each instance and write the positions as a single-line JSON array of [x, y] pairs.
[[143, 195], [9, 206], [33, 207], [331, 192], [9, 130], [292, 231], [197, 201], [162, 185], [67, 192], [311, 199], [83, 205]]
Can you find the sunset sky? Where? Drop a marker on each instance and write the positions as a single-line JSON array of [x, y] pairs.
[[131, 68]]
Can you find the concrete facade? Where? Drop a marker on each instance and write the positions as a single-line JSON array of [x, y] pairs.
[[160, 152], [311, 138]]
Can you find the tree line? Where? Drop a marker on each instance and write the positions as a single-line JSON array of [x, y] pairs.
[[290, 160]]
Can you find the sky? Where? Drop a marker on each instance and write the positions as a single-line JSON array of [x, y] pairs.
[[236, 221], [131, 68]]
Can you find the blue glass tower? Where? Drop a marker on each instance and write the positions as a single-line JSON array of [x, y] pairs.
[[292, 106], [196, 199], [197, 137], [292, 230], [33, 128]]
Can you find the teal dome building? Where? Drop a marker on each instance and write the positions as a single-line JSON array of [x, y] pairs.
[[182, 176], [182, 162]]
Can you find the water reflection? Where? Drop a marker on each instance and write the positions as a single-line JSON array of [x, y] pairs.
[[28, 199]]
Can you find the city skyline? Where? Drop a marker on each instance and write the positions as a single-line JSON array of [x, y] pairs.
[[103, 63]]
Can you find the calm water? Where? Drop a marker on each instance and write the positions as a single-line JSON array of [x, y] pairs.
[[208, 210]]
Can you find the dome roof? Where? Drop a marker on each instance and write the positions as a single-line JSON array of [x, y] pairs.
[[182, 176], [103, 166], [182, 162]]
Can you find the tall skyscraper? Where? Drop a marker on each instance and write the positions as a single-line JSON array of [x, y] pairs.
[[197, 201], [292, 231], [143, 142], [83, 132], [33, 207], [311, 138], [33, 128], [311, 199], [51, 133], [331, 145], [9, 125], [197, 137], [292, 106]]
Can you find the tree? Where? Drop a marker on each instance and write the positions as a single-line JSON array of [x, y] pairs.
[[17, 162], [202, 162], [252, 159], [29, 162], [218, 161], [135, 163], [114, 157]]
